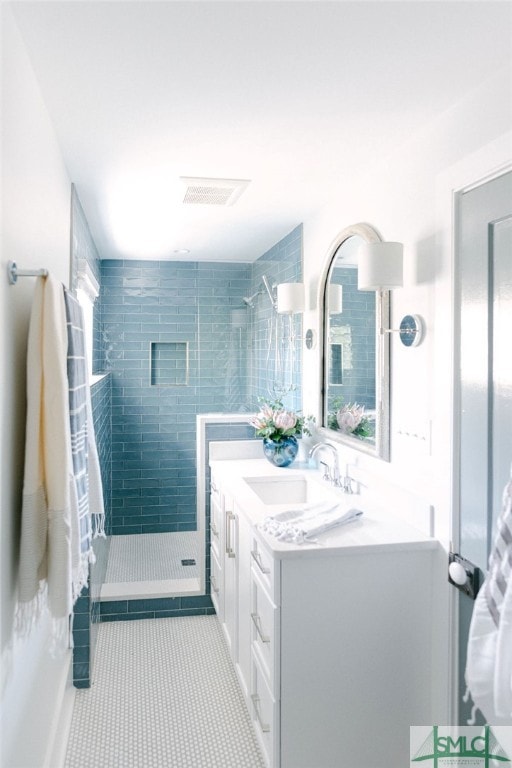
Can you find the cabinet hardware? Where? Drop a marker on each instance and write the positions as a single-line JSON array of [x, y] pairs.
[[257, 623], [255, 702], [213, 487], [213, 529], [256, 557], [230, 552], [214, 585]]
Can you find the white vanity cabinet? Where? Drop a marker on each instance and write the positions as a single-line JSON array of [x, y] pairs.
[[332, 644], [341, 656]]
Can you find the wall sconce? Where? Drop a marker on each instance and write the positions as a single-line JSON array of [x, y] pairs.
[[290, 298], [380, 268]]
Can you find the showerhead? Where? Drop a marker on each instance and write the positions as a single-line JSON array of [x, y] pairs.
[[249, 300]]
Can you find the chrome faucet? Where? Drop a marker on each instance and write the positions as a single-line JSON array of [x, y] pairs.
[[332, 475]]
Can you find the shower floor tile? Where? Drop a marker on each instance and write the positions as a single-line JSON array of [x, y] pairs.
[[165, 695], [152, 557], [150, 565]]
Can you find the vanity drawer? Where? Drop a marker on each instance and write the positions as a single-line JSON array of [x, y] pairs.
[[265, 565], [264, 715], [216, 584], [264, 631]]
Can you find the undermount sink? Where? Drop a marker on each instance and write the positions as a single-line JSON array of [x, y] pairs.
[[296, 489]]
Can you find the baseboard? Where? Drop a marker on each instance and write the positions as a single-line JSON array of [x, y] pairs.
[[59, 736]]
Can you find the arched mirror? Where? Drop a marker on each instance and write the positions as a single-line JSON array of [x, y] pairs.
[[355, 364]]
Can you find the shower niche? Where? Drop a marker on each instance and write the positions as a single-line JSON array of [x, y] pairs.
[[169, 363]]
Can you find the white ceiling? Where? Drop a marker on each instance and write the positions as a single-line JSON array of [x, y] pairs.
[[295, 96]]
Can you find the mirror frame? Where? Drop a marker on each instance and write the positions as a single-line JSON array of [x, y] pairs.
[[381, 447]]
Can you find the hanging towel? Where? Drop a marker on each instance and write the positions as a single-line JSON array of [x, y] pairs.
[[489, 655], [86, 488], [55, 535], [45, 551], [303, 526]]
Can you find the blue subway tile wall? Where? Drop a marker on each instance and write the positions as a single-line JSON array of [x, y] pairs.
[[145, 303]]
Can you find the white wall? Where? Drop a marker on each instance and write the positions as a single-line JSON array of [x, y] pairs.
[[405, 198], [35, 232]]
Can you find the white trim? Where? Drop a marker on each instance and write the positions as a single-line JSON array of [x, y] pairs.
[[140, 590], [490, 161], [61, 726], [96, 377]]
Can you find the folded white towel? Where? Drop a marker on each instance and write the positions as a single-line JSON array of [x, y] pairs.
[[303, 526]]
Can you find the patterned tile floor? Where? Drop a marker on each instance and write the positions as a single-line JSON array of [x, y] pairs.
[[151, 557], [164, 695]]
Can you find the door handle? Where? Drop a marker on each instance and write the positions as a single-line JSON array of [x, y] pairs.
[[464, 575]]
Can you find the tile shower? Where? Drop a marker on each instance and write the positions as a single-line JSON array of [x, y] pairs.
[[177, 339]]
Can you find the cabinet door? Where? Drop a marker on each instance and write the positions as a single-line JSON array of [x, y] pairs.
[[244, 605], [230, 578]]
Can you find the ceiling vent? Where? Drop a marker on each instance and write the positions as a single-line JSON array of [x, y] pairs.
[[212, 191]]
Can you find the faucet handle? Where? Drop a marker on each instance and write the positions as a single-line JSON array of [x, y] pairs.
[[347, 484], [327, 471]]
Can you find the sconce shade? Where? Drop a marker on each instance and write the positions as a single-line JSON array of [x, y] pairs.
[[290, 297], [335, 299], [380, 266]]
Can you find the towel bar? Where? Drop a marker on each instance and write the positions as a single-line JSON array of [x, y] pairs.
[[13, 272]]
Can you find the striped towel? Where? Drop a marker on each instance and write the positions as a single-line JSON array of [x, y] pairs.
[[489, 658], [81, 533]]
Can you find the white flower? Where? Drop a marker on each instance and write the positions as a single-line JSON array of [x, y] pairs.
[[285, 420], [349, 417]]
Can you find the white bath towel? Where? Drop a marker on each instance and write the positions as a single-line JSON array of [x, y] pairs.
[[303, 526], [46, 525], [489, 655], [52, 570]]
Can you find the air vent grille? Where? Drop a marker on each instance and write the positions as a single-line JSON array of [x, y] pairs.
[[212, 191]]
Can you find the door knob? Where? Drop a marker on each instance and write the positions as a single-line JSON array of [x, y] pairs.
[[457, 573], [464, 575]]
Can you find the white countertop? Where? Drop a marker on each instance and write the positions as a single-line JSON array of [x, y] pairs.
[[376, 530]]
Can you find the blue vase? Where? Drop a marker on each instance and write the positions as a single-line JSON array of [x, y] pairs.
[[281, 453]]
